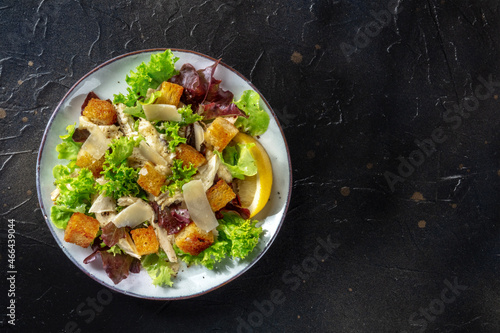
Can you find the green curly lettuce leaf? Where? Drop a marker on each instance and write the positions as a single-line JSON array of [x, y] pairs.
[[60, 214], [188, 117], [114, 250], [121, 149], [171, 131], [68, 149], [208, 258], [239, 160], [237, 239], [158, 268], [147, 75], [180, 176], [61, 171], [137, 110], [75, 194], [121, 179], [171, 128], [241, 234], [258, 119]]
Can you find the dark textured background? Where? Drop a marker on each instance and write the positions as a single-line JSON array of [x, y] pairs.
[[347, 120]]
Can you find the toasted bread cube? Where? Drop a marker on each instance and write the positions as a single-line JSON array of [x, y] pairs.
[[81, 229], [220, 133], [85, 160], [170, 93], [145, 240], [219, 195], [100, 112], [193, 240], [150, 179], [188, 154]]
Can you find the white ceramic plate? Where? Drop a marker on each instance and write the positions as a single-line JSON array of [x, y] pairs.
[[109, 79]]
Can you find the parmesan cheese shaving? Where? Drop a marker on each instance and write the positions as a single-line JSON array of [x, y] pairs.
[[96, 144], [198, 205], [128, 246], [199, 135], [207, 172], [150, 154], [103, 204], [153, 139], [134, 215], [164, 112]]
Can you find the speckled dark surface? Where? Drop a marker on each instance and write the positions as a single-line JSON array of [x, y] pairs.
[[350, 118]]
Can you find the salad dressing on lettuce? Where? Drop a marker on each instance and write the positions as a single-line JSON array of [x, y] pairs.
[[151, 177]]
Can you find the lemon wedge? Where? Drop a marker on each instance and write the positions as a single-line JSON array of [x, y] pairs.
[[254, 191]]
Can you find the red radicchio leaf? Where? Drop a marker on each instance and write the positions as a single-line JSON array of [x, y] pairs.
[[116, 266], [172, 218], [210, 83], [135, 266], [214, 110], [96, 247], [218, 95], [181, 217], [111, 234], [91, 257], [202, 90], [180, 214], [194, 91]]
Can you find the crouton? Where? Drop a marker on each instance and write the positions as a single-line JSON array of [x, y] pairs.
[[193, 240], [220, 133], [145, 240], [100, 112], [85, 160], [81, 230], [170, 93], [188, 154], [219, 195], [150, 179]]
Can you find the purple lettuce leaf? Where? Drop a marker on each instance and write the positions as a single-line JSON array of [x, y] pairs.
[[172, 218], [111, 234], [210, 83], [203, 92], [214, 110], [194, 91], [96, 247], [135, 266], [180, 214], [117, 266]]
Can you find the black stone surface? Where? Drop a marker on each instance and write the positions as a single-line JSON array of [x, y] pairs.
[[353, 103]]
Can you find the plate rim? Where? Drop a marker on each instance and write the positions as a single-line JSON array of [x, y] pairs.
[[66, 251]]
